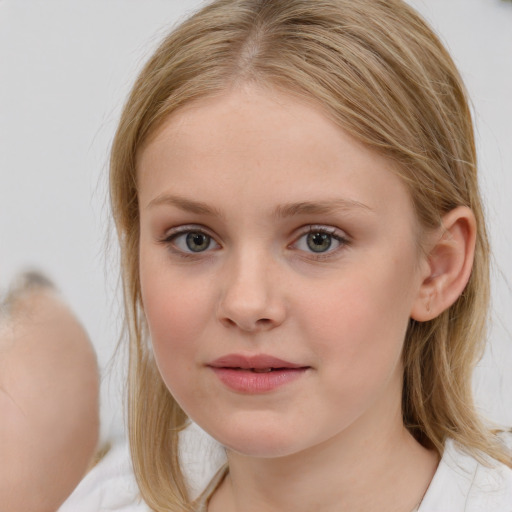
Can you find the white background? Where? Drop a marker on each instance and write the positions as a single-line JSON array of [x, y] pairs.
[[65, 69]]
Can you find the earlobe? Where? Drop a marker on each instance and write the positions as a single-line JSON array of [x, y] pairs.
[[449, 264]]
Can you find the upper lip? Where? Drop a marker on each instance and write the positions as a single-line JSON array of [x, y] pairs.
[[260, 361]]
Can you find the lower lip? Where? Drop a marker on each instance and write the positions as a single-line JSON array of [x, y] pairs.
[[246, 381]]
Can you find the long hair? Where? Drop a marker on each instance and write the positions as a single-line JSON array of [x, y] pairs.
[[378, 71]]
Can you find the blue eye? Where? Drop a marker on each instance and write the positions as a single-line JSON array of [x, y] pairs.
[[192, 241]]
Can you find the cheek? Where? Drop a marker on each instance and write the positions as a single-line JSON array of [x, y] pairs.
[[171, 313], [174, 330], [360, 320], [177, 312]]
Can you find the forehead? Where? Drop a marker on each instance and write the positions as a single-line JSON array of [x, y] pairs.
[[250, 144]]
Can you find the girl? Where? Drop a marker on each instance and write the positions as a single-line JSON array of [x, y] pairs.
[[305, 263]]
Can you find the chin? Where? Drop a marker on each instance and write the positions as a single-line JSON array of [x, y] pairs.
[[260, 442]]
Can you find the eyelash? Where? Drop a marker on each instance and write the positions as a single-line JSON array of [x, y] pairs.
[[170, 241], [334, 234]]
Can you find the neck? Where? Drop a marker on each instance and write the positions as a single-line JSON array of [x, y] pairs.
[[361, 469]]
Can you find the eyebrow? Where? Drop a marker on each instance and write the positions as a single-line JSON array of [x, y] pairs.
[[187, 205], [281, 211], [320, 208]]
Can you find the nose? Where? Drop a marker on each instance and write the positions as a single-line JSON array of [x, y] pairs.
[[251, 297]]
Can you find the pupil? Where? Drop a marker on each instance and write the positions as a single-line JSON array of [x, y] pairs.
[[197, 242], [319, 242]]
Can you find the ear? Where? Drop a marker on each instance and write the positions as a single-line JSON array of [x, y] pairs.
[[449, 261]]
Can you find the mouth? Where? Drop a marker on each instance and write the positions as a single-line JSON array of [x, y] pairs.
[[261, 363], [256, 374], [260, 370]]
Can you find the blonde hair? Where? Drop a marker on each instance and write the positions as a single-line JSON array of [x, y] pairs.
[[379, 71]]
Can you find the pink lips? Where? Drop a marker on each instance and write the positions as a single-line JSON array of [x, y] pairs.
[[255, 374]]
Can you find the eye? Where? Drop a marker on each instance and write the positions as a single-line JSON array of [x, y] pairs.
[[197, 242], [320, 240], [190, 241]]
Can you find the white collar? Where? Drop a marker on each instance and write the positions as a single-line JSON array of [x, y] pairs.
[[463, 484]]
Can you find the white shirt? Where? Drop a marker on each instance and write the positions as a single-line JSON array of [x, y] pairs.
[[460, 484], [109, 486]]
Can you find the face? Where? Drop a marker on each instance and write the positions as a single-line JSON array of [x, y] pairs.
[[279, 264]]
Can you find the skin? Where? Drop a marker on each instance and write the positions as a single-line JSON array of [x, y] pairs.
[[49, 403], [333, 439]]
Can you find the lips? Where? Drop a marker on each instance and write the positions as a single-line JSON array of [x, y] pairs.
[[255, 374], [258, 363]]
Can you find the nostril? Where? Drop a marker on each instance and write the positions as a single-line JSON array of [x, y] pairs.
[[228, 322], [247, 325]]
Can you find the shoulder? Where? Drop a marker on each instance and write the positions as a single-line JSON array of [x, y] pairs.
[[463, 484], [109, 486]]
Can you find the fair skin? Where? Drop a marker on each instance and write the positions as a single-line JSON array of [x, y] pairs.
[[267, 230], [49, 402]]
